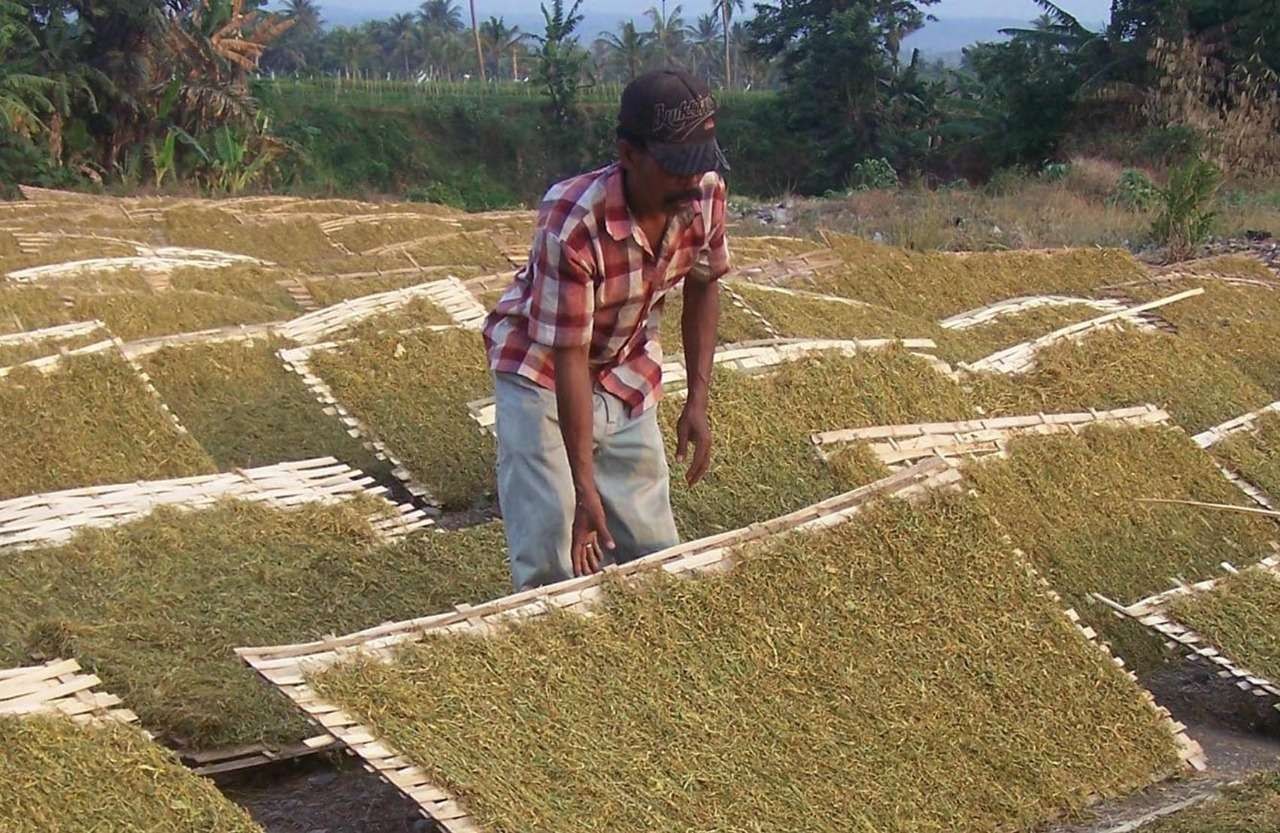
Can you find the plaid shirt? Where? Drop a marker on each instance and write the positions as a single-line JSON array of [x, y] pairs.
[[591, 279]]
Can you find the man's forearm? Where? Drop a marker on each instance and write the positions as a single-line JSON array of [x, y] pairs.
[[574, 407], [698, 325]]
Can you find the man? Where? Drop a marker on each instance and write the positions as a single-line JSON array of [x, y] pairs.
[[582, 475]]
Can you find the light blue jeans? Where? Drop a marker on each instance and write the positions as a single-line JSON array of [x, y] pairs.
[[535, 486]]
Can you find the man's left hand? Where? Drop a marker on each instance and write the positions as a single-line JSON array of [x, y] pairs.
[[694, 427]]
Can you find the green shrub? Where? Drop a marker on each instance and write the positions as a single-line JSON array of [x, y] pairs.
[[873, 175], [1135, 191], [1186, 208]]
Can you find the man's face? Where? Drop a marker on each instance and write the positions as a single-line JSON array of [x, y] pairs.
[[652, 185]]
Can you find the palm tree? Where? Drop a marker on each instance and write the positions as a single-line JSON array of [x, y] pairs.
[[23, 94], [475, 35], [667, 30], [704, 37], [627, 48], [400, 32], [503, 38], [725, 8], [440, 16]]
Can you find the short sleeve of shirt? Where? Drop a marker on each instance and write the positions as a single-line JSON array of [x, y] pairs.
[[713, 260], [562, 293]]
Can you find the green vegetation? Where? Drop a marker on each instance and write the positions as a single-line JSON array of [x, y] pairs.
[[64, 778], [1070, 503], [412, 390], [817, 686], [764, 464], [90, 422], [246, 409], [1238, 616], [1186, 215], [156, 607]]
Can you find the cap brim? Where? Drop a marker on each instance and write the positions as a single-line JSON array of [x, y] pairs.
[[689, 158]]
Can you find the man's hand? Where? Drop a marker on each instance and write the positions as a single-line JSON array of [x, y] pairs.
[[590, 533], [694, 427]]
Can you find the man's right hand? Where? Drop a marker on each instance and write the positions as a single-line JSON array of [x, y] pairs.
[[590, 533]]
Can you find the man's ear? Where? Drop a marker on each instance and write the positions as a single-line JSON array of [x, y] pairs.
[[627, 154]]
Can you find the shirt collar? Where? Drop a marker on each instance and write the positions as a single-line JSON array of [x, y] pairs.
[[617, 215]]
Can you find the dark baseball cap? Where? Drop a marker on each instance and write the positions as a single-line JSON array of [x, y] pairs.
[[674, 115]]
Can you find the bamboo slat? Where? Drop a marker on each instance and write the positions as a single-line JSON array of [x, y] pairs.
[[1014, 306], [286, 666], [1153, 613], [1021, 358], [298, 360], [1244, 422], [896, 445], [449, 293], [752, 357], [59, 687], [148, 259], [54, 517]]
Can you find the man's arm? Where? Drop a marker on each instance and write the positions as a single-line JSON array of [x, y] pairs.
[[698, 324], [574, 406]]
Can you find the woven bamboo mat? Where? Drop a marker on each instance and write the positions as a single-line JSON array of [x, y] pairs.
[[59, 687], [1014, 306], [450, 294], [1021, 358], [54, 517], [897, 445], [298, 360], [753, 358], [1236, 425], [148, 259], [1153, 613], [287, 666]]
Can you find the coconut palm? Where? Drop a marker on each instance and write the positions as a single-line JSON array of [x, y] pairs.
[[628, 48], [401, 36], [23, 94], [440, 16], [501, 39], [725, 9], [704, 41], [666, 32]]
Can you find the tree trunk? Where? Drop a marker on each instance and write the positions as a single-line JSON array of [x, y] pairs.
[[55, 139], [475, 33], [724, 11], [515, 63]]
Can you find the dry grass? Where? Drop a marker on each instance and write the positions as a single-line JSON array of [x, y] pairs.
[[90, 422], [803, 317], [133, 315], [292, 242], [246, 409], [412, 390], [736, 324], [1255, 454], [418, 312], [1118, 367], [1071, 504], [331, 290], [361, 237], [1251, 807], [831, 682], [763, 462], [1238, 616], [18, 353], [31, 308], [156, 607], [1236, 323], [937, 285], [64, 778], [258, 284], [1007, 330]]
